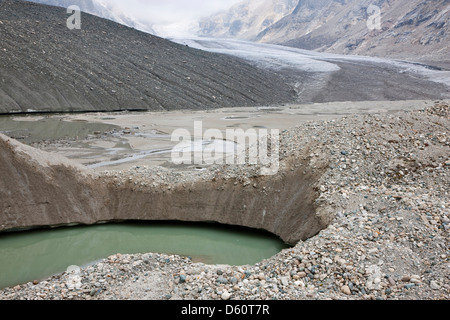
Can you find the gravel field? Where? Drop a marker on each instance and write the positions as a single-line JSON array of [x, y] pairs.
[[387, 184]]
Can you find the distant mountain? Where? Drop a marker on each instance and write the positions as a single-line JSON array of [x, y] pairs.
[[106, 66], [411, 29], [246, 19], [408, 28]]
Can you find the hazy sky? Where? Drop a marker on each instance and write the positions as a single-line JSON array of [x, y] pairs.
[[169, 14], [171, 9]]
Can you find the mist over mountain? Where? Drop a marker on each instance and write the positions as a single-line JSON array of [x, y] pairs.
[[107, 66], [165, 19], [246, 19], [103, 9]]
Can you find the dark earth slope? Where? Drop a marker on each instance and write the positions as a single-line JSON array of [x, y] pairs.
[[106, 66]]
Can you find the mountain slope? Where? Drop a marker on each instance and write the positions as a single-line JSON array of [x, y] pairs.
[[246, 19], [100, 9], [409, 28], [44, 66]]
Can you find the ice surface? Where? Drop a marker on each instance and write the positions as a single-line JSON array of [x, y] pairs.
[[281, 57]]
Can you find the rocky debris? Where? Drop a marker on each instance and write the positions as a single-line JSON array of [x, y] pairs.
[[440, 109], [388, 184]]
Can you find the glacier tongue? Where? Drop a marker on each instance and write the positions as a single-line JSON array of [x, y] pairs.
[[277, 57], [264, 55]]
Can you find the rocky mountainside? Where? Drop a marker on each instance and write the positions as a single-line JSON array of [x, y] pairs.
[[44, 66], [246, 19], [406, 29]]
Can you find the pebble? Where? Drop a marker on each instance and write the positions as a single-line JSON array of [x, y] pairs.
[[182, 278], [222, 280], [285, 281], [434, 285], [406, 278], [346, 290], [226, 295]]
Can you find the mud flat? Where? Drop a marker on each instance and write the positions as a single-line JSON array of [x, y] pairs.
[[364, 198], [121, 140]]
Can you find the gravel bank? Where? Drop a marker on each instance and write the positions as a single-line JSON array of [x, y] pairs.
[[387, 183]]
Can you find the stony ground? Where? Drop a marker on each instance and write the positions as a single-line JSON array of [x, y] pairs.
[[388, 184]]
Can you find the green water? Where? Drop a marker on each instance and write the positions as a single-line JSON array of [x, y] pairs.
[[35, 255], [49, 128]]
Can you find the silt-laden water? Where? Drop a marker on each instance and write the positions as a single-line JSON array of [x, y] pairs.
[[35, 255]]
